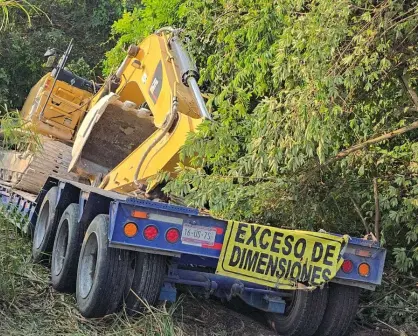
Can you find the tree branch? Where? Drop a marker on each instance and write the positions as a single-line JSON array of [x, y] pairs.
[[361, 216], [412, 93], [369, 142]]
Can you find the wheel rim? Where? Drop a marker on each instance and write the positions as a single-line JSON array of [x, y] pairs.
[[60, 248], [88, 266], [40, 229]]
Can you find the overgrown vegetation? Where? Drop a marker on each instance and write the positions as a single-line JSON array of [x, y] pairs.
[[6, 6], [52, 24], [298, 89], [15, 134], [313, 101], [29, 306]]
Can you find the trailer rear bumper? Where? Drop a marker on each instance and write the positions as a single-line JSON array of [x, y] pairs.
[[143, 213], [163, 217]]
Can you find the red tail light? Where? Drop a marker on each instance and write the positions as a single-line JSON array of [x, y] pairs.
[[172, 235], [150, 232], [347, 266]]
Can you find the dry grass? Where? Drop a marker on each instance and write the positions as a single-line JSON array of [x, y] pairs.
[[29, 306]]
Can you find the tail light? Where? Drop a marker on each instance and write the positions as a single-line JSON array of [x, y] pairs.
[[139, 214], [347, 266], [172, 235], [151, 232], [130, 230], [364, 270]]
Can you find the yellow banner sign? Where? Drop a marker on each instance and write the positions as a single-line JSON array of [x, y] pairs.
[[280, 258]]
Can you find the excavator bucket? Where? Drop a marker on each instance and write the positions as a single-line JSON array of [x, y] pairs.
[[108, 134]]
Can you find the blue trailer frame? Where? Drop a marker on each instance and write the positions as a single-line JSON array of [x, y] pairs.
[[191, 265]]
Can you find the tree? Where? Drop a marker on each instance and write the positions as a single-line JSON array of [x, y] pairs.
[[54, 24], [292, 84]]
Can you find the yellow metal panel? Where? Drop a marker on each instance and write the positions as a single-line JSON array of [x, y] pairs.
[[61, 116], [31, 97], [280, 258]]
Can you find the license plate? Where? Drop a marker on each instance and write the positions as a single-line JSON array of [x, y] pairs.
[[198, 235]]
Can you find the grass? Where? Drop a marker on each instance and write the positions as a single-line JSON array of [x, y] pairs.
[[16, 133], [29, 306], [22, 5]]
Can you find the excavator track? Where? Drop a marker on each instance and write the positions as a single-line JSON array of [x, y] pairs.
[[29, 171]]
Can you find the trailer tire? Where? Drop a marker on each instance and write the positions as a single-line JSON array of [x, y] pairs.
[[144, 285], [101, 272], [303, 315], [45, 228], [66, 251], [341, 310]]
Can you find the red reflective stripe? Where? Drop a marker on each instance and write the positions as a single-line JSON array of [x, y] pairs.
[[219, 230], [217, 246]]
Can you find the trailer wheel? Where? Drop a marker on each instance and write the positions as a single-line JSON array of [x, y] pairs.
[[341, 310], [148, 271], [66, 250], [303, 313], [45, 228], [101, 272]]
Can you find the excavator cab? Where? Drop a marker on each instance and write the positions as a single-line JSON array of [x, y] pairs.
[[54, 108], [57, 103]]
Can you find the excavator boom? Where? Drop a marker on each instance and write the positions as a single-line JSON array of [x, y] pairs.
[[139, 121]]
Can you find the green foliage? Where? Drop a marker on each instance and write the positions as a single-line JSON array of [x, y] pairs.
[[15, 135], [292, 84], [80, 67], [53, 25], [6, 6], [136, 25]]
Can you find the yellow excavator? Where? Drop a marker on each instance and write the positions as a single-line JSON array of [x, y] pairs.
[[120, 135]]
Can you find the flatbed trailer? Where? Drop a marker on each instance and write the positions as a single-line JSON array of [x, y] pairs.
[[114, 251]]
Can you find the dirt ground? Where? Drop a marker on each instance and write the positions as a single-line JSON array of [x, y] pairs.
[[212, 318]]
